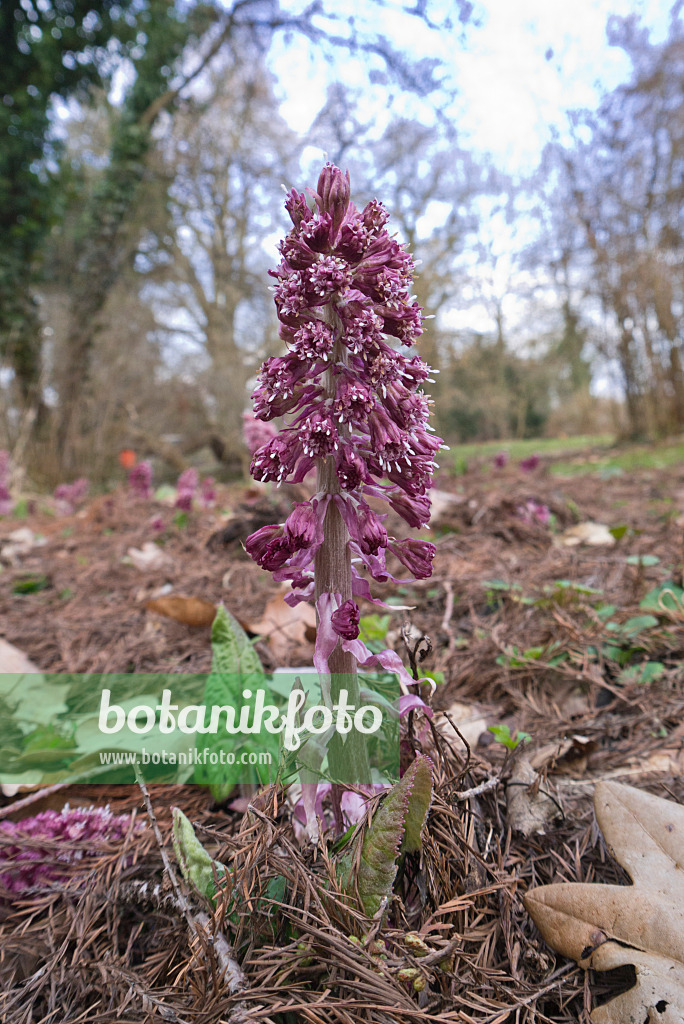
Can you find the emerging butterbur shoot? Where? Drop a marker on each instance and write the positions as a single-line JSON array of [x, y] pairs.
[[199, 870], [396, 829], [354, 412]]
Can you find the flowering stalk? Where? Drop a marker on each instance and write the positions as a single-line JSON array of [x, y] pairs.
[[354, 411]]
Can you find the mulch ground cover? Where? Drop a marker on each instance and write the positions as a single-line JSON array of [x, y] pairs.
[[527, 634]]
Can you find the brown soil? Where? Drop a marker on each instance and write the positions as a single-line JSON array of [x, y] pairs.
[[107, 956]]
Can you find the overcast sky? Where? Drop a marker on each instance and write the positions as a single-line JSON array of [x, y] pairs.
[[522, 66]]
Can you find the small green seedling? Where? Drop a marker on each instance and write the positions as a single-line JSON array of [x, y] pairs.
[[502, 734]]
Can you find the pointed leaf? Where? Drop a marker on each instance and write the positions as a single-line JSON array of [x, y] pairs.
[[419, 805], [235, 666], [383, 840], [197, 867]]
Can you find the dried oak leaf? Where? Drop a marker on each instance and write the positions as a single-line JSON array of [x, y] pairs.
[[607, 926], [191, 611], [284, 627]]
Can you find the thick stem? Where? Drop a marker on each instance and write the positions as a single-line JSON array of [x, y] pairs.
[[348, 761]]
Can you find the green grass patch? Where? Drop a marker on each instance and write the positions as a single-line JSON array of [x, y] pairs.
[[629, 458], [612, 462], [522, 449]]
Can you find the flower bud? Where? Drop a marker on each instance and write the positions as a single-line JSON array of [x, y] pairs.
[[334, 190], [416, 555], [345, 621], [302, 526]]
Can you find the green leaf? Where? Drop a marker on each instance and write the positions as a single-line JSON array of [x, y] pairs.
[[666, 597], [396, 828], [642, 560], [604, 611], [235, 667], [638, 624], [418, 806], [30, 585], [436, 676], [197, 867], [502, 734], [373, 627], [619, 531], [579, 588], [647, 672]]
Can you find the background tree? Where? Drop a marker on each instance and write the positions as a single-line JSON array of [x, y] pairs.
[[52, 48], [620, 187], [224, 158]]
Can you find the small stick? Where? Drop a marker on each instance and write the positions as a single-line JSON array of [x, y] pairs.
[[484, 787], [32, 798]]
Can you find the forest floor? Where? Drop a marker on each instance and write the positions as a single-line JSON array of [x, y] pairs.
[[579, 646]]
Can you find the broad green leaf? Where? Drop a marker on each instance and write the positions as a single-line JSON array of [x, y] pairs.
[[235, 667], [638, 624], [373, 627], [604, 611], [418, 807], [667, 597]]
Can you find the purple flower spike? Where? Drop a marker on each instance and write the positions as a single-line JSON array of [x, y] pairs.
[[353, 409], [501, 460]]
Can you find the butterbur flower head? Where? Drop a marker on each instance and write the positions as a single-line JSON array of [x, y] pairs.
[[140, 480], [6, 503], [372, 535], [184, 501], [186, 488], [256, 433], [529, 464], [69, 496], [500, 460], [416, 555], [351, 404], [534, 512], [303, 526], [188, 480], [25, 864], [270, 547], [208, 492], [334, 192]]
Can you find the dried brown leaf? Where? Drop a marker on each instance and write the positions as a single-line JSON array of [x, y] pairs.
[[191, 611], [285, 627], [607, 926]]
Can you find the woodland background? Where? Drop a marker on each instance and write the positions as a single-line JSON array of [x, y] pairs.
[[143, 151]]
